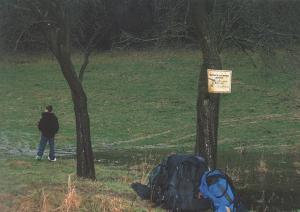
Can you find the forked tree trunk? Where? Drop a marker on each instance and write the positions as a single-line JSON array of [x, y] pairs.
[[207, 103], [55, 16]]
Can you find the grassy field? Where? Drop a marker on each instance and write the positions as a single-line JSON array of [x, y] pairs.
[[140, 103], [148, 99]]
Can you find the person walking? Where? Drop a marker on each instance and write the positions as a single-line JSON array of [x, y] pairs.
[[48, 126]]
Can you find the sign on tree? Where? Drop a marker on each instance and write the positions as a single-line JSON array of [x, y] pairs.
[[219, 81]]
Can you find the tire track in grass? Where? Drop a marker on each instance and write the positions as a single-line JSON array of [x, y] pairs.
[[6, 147], [142, 138], [252, 119], [255, 119]]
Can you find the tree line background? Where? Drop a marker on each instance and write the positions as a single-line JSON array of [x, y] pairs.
[[159, 23]]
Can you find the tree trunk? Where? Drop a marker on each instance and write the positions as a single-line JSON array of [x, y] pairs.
[[207, 119], [85, 158], [207, 104]]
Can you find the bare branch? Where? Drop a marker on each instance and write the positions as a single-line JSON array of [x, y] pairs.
[[47, 22], [19, 39], [84, 65]]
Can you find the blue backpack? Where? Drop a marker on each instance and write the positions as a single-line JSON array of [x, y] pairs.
[[217, 186]]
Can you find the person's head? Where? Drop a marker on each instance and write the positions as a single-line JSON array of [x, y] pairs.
[[49, 108]]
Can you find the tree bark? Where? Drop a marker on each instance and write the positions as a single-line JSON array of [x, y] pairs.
[[207, 103], [85, 158]]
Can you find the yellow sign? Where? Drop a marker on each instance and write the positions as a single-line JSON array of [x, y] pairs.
[[219, 81]]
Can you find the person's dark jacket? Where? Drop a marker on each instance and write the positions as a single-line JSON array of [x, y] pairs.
[[48, 124]]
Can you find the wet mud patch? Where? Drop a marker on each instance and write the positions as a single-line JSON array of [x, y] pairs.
[[19, 164]]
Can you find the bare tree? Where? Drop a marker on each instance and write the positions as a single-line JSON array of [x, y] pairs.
[[54, 19], [220, 24]]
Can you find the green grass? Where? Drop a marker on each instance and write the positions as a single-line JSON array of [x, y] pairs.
[[140, 103], [148, 98]]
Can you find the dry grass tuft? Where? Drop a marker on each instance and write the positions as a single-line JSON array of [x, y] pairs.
[[44, 202], [234, 173], [143, 170], [27, 204], [72, 200], [262, 167], [110, 203], [126, 179], [145, 174], [35, 201]]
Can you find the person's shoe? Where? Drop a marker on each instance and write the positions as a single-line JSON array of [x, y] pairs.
[[38, 157], [54, 159]]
